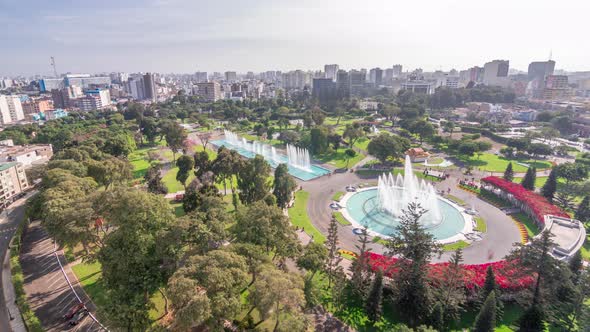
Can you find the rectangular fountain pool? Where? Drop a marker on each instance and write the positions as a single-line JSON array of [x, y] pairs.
[[302, 174]]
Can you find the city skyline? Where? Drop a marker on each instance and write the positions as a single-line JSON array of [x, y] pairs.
[[184, 37]]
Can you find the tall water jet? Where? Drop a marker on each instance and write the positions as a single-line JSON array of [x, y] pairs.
[[298, 157], [395, 193]]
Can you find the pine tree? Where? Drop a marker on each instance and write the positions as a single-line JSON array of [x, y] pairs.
[[550, 187], [528, 182], [333, 256], [490, 286], [360, 267], [485, 321], [373, 304], [532, 320], [583, 211], [509, 173]]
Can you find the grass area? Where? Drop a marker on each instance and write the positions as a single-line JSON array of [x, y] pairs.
[[379, 240], [89, 275], [340, 218], [370, 172], [338, 159], [347, 256], [494, 163], [455, 199], [480, 225], [528, 223], [171, 183], [177, 207], [299, 217], [585, 250], [273, 142], [455, 245], [362, 143], [139, 161], [338, 195]]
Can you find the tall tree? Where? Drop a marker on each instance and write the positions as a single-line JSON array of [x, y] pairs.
[[153, 178], [284, 184], [528, 182], [373, 306], [532, 320], [313, 258], [509, 173], [349, 153], [175, 137], [359, 281], [318, 140], [414, 247], [490, 286], [333, 259], [485, 321], [353, 132], [202, 163], [386, 146], [253, 180], [583, 211], [450, 293], [222, 166], [185, 165], [550, 187]]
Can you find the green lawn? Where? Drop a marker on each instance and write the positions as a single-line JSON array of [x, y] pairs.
[[362, 143], [171, 183], [455, 199], [338, 159], [480, 225], [139, 161], [299, 217], [340, 218], [338, 195], [89, 275], [586, 250], [528, 223], [493, 163], [455, 245], [177, 207]]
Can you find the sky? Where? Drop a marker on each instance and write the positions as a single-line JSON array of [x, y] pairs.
[[185, 36]]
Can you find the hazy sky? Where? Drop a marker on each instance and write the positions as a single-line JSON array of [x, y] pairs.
[[257, 35]]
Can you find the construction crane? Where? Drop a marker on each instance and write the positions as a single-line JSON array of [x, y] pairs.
[[54, 69]]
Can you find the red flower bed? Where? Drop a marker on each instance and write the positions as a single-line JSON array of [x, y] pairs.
[[537, 203], [473, 276]]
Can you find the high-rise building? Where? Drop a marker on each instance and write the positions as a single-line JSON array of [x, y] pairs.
[[496, 73], [357, 81], [296, 79], [150, 87], [330, 71], [397, 70], [324, 90], [13, 181], [210, 91], [231, 76], [537, 73], [201, 77], [376, 76], [103, 94], [343, 84], [418, 86], [11, 109], [556, 87]]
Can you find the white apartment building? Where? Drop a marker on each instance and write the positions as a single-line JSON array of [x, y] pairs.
[[11, 109], [495, 73], [13, 181]]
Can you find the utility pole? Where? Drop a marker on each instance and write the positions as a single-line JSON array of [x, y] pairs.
[[54, 69]]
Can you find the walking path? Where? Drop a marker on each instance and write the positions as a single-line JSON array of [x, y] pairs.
[[52, 288]]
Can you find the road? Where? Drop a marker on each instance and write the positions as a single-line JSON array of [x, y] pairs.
[[9, 220]]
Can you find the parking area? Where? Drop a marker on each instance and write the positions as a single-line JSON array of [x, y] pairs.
[[48, 291]]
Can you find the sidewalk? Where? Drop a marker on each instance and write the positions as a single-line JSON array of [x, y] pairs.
[[16, 322]]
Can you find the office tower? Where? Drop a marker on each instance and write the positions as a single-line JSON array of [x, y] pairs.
[[201, 77], [330, 71], [324, 90], [397, 70], [537, 73], [376, 76], [231, 76], [357, 80], [556, 87], [210, 91], [49, 84], [61, 97], [11, 109], [343, 84], [103, 95], [496, 73], [150, 87]]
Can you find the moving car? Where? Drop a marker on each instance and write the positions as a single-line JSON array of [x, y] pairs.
[[73, 310], [78, 317]]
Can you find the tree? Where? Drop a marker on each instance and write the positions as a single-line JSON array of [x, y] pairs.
[[485, 321], [334, 139], [318, 140], [528, 182], [313, 258], [414, 247], [197, 191], [450, 293], [373, 306], [153, 178], [349, 153], [359, 281], [353, 132], [550, 187], [449, 126], [532, 320], [468, 148], [490, 286], [185, 164], [210, 284], [284, 185], [422, 128], [571, 172], [509, 173], [583, 211], [204, 137], [318, 116], [175, 137], [202, 163], [386, 146], [333, 259], [539, 149], [289, 137], [253, 180], [109, 171], [277, 293]]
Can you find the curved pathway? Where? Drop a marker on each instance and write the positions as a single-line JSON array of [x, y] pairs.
[[501, 233]]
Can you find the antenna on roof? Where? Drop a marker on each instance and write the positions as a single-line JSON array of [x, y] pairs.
[[52, 62], [550, 54]]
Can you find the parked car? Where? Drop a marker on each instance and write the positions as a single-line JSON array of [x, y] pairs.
[[78, 317], [73, 310]]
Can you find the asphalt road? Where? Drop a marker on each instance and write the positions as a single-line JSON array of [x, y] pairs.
[[9, 220]]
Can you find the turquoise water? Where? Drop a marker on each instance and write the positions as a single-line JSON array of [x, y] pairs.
[[316, 171], [363, 208]]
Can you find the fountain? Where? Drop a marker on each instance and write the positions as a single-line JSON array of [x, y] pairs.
[[395, 193], [298, 157]]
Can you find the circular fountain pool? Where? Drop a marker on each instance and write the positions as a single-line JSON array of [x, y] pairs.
[[364, 209]]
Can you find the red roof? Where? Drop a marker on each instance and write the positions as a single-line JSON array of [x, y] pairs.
[[537, 203]]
